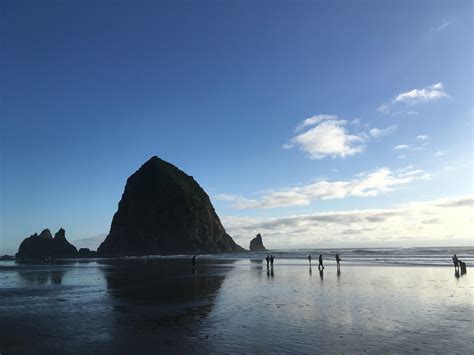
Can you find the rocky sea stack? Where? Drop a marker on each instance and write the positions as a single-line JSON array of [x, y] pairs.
[[44, 245], [256, 244], [165, 211]]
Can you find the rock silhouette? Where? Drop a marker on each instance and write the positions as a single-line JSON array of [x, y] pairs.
[[256, 244], [44, 245], [165, 211]]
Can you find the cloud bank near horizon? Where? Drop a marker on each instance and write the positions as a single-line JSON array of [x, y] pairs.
[[438, 221]]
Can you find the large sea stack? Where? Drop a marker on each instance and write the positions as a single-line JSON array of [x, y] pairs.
[[165, 211], [44, 245], [256, 244]]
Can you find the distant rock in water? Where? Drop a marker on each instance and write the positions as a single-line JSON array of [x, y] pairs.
[[44, 246], [87, 253], [256, 244], [91, 243], [165, 211]]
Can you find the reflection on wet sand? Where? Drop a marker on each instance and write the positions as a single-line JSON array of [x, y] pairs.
[[53, 277], [160, 299], [108, 306]]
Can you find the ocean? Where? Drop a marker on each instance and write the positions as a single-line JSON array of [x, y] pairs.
[[422, 256]]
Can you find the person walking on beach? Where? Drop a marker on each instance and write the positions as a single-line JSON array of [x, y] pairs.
[[194, 261], [455, 261], [309, 259], [338, 260], [320, 266], [271, 260], [268, 260]]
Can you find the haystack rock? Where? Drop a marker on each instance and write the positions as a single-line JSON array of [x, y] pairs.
[[165, 211], [44, 245], [256, 244]]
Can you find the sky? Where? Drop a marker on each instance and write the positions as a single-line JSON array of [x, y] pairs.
[[314, 123]]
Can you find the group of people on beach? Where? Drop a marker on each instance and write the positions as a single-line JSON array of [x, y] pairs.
[[458, 264], [321, 266], [270, 258]]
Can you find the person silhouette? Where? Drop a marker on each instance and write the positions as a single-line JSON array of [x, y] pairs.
[[268, 260], [309, 259], [338, 260], [271, 260], [194, 261], [462, 265], [320, 266], [455, 261]]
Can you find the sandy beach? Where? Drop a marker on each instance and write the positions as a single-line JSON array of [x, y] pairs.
[[227, 305]]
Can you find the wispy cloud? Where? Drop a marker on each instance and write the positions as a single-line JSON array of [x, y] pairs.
[[312, 121], [421, 142], [415, 96], [365, 184], [401, 147], [411, 222], [426, 94], [442, 26], [326, 136], [380, 132]]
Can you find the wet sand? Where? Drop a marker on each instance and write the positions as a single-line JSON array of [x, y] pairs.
[[108, 306]]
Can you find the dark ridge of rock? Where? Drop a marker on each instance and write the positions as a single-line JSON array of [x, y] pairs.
[[256, 244], [45, 234], [44, 245], [165, 211], [87, 253]]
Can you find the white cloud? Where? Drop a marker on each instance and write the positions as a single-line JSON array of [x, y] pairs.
[[412, 97], [422, 142], [401, 147], [380, 132], [365, 184], [384, 108], [422, 137], [440, 153], [441, 26], [312, 121], [416, 223], [429, 93], [325, 136]]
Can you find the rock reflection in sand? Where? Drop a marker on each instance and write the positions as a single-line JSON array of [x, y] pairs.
[[106, 305], [54, 277]]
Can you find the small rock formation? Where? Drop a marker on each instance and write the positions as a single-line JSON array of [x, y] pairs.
[[256, 244], [87, 253], [165, 211], [44, 245]]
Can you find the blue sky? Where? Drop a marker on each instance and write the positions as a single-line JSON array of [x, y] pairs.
[[91, 90]]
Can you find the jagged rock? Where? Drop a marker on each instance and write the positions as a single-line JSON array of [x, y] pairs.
[[256, 244], [44, 245], [45, 234], [165, 211]]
